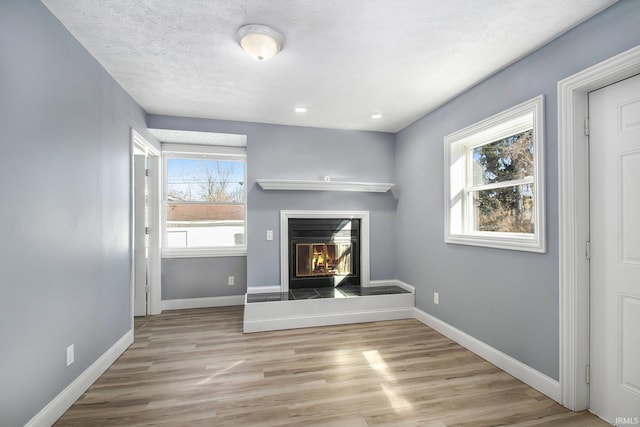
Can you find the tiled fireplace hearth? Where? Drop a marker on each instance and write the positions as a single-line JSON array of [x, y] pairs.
[[325, 279]]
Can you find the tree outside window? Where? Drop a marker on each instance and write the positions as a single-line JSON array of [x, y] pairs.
[[204, 201], [507, 166]]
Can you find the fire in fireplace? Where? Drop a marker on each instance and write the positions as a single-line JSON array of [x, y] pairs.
[[324, 252], [323, 259]]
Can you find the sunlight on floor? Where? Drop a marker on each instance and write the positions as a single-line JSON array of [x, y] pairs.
[[342, 357], [377, 363], [398, 403], [220, 372]]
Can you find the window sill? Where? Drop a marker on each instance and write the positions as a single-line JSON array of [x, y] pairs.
[[204, 252], [513, 243]]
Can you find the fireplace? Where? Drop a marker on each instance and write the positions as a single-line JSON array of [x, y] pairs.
[[356, 273], [323, 252]]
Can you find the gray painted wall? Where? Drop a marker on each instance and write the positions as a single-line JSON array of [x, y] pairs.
[[289, 152], [305, 153], [64, 220], [64, 215], [506, 299], [203, 277]]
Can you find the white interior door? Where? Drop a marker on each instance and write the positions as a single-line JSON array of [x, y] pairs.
[[614, 113], [139, 236]]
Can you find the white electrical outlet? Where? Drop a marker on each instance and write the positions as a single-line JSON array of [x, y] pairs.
[[231, 280], [436, 298], [70, 355], [269, 234]]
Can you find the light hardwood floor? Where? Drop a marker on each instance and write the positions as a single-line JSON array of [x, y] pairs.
[[196, 367]]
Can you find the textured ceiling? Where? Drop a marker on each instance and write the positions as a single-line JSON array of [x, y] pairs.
[[343, 59], [200, 138]]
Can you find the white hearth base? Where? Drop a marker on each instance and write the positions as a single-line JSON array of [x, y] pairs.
[[293, 314]]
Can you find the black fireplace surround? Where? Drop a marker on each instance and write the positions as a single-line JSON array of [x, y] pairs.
[[324, 252]]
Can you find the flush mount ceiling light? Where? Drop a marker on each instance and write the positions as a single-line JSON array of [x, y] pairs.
[[300, 109], [260, 41], [376, 115]]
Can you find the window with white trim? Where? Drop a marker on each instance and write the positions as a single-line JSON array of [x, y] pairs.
[[494, 181], [204, 196]]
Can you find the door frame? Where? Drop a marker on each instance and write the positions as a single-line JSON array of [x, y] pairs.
[[140, 253], [154, 305], [573, 203]]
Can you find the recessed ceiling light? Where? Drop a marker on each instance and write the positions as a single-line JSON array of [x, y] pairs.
[[300, 109], [376, 115]]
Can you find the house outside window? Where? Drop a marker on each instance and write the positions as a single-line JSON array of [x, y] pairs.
[[494, 181], [204, 196]]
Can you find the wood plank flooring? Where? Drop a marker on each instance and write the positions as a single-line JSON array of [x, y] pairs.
[[196, 367]]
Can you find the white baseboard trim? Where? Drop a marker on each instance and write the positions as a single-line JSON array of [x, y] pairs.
[[67, 397], [536, 379], [264, 290], [393, 282], [180, 304]]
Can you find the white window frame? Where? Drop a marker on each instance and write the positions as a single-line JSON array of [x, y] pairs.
[[457, 164], [190, 151]]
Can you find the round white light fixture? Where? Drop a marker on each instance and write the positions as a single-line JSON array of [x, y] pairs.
[[300, 109], [260, 41], [376, 116]]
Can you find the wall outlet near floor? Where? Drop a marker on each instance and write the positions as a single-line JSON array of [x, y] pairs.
[[70, 355], [231, 280], [436, 298]]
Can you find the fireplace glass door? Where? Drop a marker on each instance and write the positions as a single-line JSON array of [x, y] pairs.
[[324, 252], [323, 259]]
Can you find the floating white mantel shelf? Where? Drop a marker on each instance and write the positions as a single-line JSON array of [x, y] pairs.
[[309, 185]]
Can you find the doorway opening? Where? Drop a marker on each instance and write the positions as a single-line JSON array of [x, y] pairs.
[[145, 234]]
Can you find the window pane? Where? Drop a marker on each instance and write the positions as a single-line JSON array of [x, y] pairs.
[[199, 225], [504, 160], [205, 180], [508, 209]]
